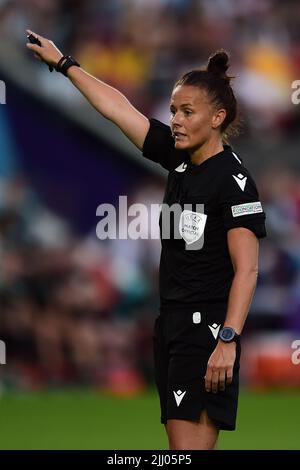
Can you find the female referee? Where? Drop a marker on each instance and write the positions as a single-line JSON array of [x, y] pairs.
[[208, 274]]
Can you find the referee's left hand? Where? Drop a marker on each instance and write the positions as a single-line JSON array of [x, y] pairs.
[[220, 367]]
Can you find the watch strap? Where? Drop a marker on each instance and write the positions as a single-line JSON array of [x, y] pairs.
[[65, 63]]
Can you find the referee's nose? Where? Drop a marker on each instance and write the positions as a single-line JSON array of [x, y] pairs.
[[177, 122]]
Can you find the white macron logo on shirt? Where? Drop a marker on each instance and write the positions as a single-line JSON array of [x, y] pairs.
[[181, 167], [241, 180], [214, 329], [179, 396]]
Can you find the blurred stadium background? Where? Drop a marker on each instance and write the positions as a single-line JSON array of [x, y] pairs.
[[76, 312]]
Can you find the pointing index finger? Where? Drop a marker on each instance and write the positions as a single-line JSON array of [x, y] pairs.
[[37, 37]]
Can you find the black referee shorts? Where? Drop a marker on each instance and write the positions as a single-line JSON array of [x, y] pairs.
[[183, 343]]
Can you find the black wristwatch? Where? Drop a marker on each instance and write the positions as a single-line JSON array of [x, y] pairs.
[[65, 63], [228, 335]]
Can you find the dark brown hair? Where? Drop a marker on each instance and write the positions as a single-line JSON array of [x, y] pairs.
[[214, 80]]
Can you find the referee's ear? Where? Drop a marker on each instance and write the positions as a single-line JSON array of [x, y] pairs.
[[218, 118]]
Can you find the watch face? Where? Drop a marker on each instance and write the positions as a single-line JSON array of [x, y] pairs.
[[227, 334]]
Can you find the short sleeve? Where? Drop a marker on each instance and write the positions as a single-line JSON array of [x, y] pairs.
[[240, 203], [159, 146]]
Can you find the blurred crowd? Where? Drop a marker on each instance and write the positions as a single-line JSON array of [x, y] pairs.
[[142, 47], [74, 310]]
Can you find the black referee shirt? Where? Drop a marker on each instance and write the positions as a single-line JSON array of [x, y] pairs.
[[228, 198]]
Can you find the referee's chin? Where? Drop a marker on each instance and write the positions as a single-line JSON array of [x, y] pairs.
[[180, 145]]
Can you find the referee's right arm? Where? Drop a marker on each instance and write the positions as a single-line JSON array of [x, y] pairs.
[[112, 104], [108, 101]]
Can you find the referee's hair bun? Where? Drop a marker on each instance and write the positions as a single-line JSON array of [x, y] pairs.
[[218, 63]]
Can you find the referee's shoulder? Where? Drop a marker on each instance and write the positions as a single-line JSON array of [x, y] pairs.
[[233, 163], [234, 173], [157, 124]]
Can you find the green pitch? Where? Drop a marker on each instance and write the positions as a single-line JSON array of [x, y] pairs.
[[88, 420]]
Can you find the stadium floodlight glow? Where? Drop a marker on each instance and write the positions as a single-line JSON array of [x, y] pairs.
[[2, 92]]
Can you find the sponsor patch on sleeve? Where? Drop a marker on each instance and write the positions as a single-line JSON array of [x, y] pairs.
[[246, 209]]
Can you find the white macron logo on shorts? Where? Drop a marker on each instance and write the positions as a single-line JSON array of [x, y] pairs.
[[179, 396], [245, 209], [214, 329], [182, 167]]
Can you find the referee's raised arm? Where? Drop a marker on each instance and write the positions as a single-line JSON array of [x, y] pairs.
[[108, 101]]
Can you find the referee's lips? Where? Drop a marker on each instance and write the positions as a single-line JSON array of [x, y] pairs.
[[178, 136]]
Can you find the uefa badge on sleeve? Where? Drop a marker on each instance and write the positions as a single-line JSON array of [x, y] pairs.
[[191, 227]]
